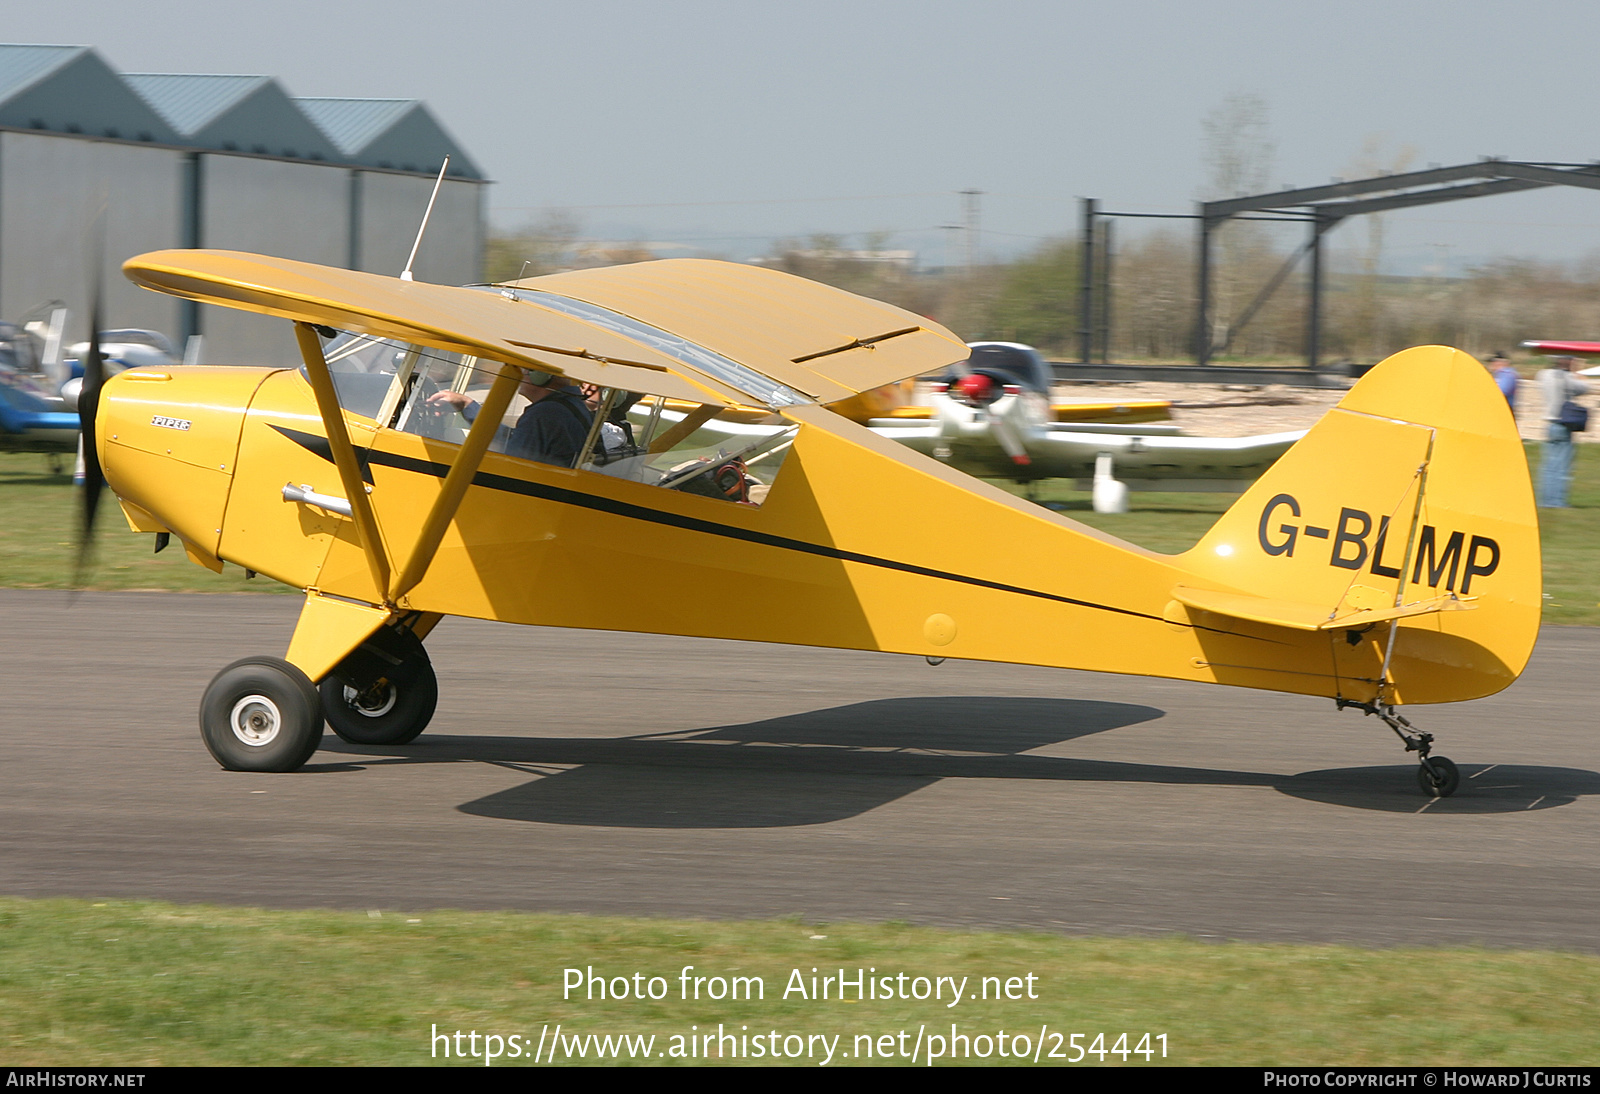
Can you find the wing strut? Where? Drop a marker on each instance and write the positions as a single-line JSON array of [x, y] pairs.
[[692, 421], [457, 480], [344, 455]]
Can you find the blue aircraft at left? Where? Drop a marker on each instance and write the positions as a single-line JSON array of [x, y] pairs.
[[32, 418]]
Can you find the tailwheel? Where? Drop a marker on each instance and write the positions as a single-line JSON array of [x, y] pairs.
[[392, 709], [1438, 777], [261, 714]]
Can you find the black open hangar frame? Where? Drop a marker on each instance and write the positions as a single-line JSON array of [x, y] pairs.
[[1321, 209]]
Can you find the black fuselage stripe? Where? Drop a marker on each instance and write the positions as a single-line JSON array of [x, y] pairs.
[[319, 446]]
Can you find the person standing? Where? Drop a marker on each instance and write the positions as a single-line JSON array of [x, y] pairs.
[[1505, 378], [1558, 386]]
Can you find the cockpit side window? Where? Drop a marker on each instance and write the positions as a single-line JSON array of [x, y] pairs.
[[732, 454], [728, 453], [547, 420]]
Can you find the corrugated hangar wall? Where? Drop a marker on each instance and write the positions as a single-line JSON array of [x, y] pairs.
[[52, 185], [388, 210], [51, 189], [293, 210], [216, 161]]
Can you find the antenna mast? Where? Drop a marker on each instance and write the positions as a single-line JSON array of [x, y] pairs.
[[405, 275]]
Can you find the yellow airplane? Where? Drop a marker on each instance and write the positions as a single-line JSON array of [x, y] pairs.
[[1390, 557]]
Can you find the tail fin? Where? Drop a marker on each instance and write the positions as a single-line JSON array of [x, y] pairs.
[[1407, 509]]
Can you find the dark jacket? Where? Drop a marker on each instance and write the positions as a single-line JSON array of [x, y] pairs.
[[550, 431], [553, 429]]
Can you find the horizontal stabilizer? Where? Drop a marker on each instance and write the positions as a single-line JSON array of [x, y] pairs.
[[1309, 617]]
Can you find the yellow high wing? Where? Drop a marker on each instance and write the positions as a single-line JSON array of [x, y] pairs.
[[812, 337], [1392, 556], [817, 341]]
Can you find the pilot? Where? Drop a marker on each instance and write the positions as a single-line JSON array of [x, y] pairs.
[[552, 428]]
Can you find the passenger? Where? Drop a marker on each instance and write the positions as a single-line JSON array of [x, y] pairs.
[[553, 427], [616, 432]]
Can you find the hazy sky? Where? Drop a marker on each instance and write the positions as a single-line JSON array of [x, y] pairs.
[[722, 124]]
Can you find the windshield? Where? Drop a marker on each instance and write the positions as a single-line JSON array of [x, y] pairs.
[[364, 369], [732, 454]]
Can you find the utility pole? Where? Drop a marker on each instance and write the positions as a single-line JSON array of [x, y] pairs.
[[951, 295], [1105, 290], [1202, 316], [969, 218], [1091, 211]]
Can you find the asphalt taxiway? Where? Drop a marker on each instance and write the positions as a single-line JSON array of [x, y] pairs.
[[644, 775]]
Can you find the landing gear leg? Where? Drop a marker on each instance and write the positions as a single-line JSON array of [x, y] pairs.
[[1437, 776], [384, 692]]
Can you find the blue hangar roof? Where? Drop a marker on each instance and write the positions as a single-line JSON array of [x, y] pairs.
[[71, 90]]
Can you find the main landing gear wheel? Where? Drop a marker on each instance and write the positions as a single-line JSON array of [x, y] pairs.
[[1438, 777], [261, 714], [393, 711]]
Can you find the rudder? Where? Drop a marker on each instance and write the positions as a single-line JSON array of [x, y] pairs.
[[1408, 506]]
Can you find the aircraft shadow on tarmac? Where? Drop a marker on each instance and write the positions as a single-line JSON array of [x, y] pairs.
[[839, 762]]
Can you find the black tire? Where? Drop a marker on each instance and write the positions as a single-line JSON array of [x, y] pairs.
[[1443, 781], [261, 714], [399, 709]]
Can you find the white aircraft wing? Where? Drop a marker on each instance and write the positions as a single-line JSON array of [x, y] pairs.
[[1062, 452]]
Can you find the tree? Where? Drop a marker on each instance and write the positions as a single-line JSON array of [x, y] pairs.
[[1238, 147], [874, 269], [1374, 159], [1155, 296], [541, 247], [1238, 159], [1037, 302]]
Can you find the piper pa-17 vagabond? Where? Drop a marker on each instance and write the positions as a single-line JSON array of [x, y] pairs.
[[1390, 557]]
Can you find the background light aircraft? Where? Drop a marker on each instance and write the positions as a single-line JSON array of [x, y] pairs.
[[1570, 349], [1390, 557], [31, 419], [38, 388], [120, 350], [1575, 349], [993, 416]]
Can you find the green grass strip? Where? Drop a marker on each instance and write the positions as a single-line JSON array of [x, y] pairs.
[[139, 983], [39, 518]]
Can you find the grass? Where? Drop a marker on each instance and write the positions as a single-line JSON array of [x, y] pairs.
[[1163, 522], [39, 534], [136, 983]]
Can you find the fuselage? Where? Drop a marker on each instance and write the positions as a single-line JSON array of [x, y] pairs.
[[859, 544]]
